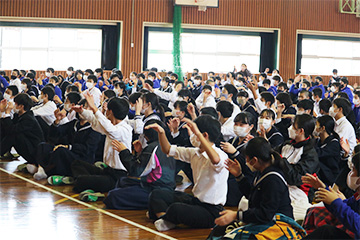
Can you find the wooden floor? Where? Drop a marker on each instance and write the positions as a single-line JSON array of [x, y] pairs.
[[32, 209]]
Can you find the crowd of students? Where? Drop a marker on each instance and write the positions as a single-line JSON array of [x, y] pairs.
[[281, 145]]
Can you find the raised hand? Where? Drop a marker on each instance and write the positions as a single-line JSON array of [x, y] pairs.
[[9, 107], [345, 146], [118, 146], [138, 106], [174, 124], [156, 127], [326, 196], [90, 101], [57, 99], [148, 87], [77, 108], [192, 126], [227, 147], [137, 146], [3, 104], [233, 166], [315, 182]]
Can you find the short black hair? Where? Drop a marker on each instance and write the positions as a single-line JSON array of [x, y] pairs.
[[50, 70], [141, 75], [344, 80], [269, 97], [70, 68], [93, 77], [245, 118], [99, 70], [89, 71], [343, 95], [185, 93], [166, 79], [151, 83], [225, 108], [231, 89], [319, 78], [49, 91], [74, 97], [114, 75], [276, 78], [317, 92], [151, 74], [153, 69], [268, 113], [344, 104], [72, 88], [284, 98], [266, 81], [25, 100], [325, 105], [109, 93], [30, 75], [209, 111], [306, 104], [198, 77], [308, 84], [243, 93], [207, 86], [174, 75], [210, 125], [55, 78], [134, 97], [306, 122], [179, 82], [33, 72], [27, 82], [14, 90], [264, 75], [119, 107]]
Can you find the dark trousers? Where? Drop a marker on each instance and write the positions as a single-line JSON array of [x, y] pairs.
[[234, 194], [328, 232], [21, 145], [186, 169], [88, 176], [182, 208], [56, 162], [128, 198]]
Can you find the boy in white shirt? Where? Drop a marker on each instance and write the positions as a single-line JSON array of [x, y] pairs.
[[112, 125], [47, 107], [225, 110], [94, 91], [205, 99], [210, 179]]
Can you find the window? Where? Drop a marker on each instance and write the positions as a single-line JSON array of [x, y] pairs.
[[42, 47], [321, 56], [207, 51]]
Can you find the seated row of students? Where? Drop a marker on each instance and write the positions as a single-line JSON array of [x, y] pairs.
[[151, 167]]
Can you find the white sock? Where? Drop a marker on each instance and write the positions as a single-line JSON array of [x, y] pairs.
[[163, 225], [40, 174], [31, 168]]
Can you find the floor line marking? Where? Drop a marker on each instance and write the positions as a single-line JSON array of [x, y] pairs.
[[65, 199], [90, 206]]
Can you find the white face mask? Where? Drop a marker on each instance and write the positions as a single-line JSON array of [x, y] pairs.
[[143, 110], [16, 110], [194, 141], [48, 74], [89, 85], [175, 113], [300, 112], [241, 131], [332, 89], [289, 85], [292, 132], [266, 123], [7, 97], [23, 87], [117, 91], [357, 101], [332, 112], [352, 182], [197, 82], [67, 107], [85, 77], [41, 99], [162, 84], [68, 73], [132, 108]]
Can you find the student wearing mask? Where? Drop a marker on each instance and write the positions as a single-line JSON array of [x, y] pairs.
[[345, 210], [79, 80], [267, 130], [316, 97], [334, 90], [229, 93], [319, 84], [225, 110], [284, 113], [344, 88], [92, 89], [165, 85], [27, 87], [264, 101], [300, 157], [197, 88], [357, 106], [152, 168], [15, 79], [79, 142], [205, 99], [305, 106], [22, 132], [152, 77], [267, 84], [282, 87], [328, 149], [70, 74], [46, 106], [119, 89], [208, 166], [87, 73], [171, 97], [244, 129], [112, 124], [71, 99], [269, 201], [245, 104], [3, 84], [54, 80]]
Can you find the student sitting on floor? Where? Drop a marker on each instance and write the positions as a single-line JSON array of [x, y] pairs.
[[347, 211], [149, 169], [207, 161], [267, 129], [111, 124], [23, 132], [80, 142], [268, 195]]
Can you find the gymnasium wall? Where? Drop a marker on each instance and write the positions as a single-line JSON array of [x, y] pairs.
[[288, 15]]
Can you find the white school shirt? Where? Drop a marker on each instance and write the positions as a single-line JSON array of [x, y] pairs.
[[121, 132], [96, 93], [171, 97], [210, 101], [46, 111], [317, 108], [16, 82], [227, 129], [236, 110], [344, 129], [210, 181]]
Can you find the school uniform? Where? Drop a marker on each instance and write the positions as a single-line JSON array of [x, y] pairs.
[[23, 133], [234, 193], [168, 90], [329, 158], [209, 191], [152, 169], [248, 107], [345, 130], [58, 92], [283, 124], [299, 158], [357, 114], [3, 84], [90, 177], [349, 93], [236, 110], [63, 85], [82, 82], [45, 111], [210, 101], [171, 97], [274, 137], [96, 93], [227, 129], [273, 90], [322, 88], [268, 195], [16, 82], [82, 140]]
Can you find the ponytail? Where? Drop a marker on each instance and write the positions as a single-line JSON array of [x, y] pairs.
[[276, 159]]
